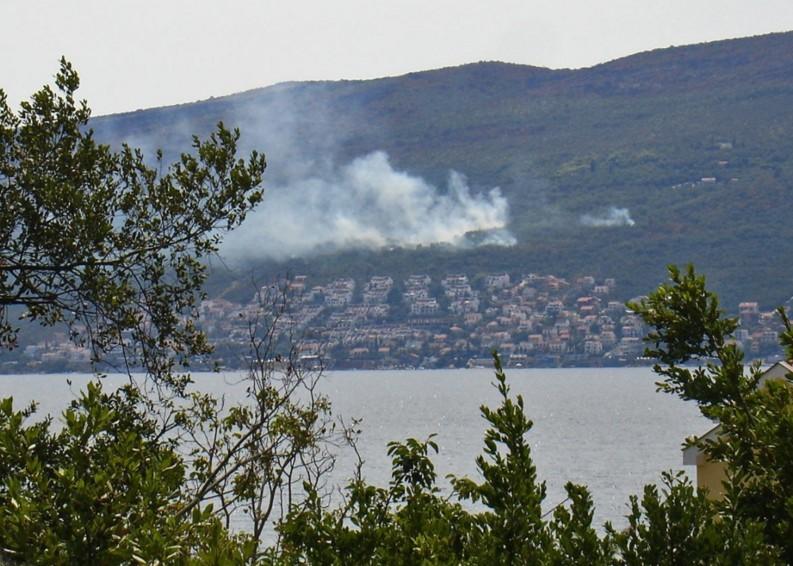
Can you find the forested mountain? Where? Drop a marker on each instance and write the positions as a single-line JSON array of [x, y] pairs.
[[677, 155]]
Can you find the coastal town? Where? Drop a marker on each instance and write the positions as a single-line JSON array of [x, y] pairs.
[[456, 321]]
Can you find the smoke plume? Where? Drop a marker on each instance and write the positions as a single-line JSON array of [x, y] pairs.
[[612, 217], [367, 204], [312, 203]]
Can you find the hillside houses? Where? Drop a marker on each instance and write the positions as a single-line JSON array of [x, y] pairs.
[[533, 320], [339, 293], [377, 289]]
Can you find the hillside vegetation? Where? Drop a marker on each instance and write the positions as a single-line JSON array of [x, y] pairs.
[[639, 133]]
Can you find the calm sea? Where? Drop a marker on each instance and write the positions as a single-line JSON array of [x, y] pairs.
[[606, 428]]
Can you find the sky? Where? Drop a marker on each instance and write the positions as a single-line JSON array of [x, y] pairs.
[[142, 53]]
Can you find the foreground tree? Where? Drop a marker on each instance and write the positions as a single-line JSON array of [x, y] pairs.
[[128, 478], [102, 490], [412, 522], [102, 241], [113, 248], [756, 420]]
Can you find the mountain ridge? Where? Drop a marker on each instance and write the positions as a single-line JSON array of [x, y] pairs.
[[638, 132], [785, 36]]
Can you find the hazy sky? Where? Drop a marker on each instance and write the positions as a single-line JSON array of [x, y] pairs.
[[142, 53]]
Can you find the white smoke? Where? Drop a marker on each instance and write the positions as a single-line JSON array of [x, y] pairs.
[[612, 217], [368, 204]]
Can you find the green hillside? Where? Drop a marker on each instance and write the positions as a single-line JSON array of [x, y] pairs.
[[638, 133]]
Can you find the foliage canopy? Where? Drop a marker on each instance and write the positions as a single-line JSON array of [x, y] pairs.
[[104, 241], [113, 247]]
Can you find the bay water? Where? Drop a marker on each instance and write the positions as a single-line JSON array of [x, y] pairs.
[[606, 428]]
